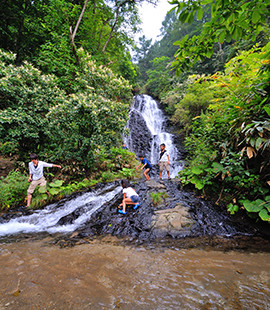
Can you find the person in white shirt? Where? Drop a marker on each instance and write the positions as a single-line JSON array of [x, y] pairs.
[[164, 161], [130, 197], [36, 177]]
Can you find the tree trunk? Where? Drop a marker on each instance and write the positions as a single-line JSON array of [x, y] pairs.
[[73, 34]]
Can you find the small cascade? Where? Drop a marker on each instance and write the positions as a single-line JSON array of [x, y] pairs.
[[147, 126], [63, 217]]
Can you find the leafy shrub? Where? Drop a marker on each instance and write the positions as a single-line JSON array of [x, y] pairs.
[[8, 148], [158, 197], [262, 207], [116, 160], [107, 176], [159, 77], [37, 116], [128, 173], [197, 98], [13, 190], [229, 143]]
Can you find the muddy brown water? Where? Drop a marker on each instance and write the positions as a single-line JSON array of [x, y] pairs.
[[105, 274]]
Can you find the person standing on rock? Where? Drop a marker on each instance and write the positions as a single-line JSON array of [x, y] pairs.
[[130, 197], [164, 161], [146, 164], [36, 176]]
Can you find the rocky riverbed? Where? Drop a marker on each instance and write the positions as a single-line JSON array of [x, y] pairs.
[[177, 214]]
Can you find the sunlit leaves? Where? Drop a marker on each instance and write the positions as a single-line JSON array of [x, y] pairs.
[[12, 189], [230, 20]]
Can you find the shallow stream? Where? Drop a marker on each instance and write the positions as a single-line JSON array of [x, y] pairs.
[[105, 274]]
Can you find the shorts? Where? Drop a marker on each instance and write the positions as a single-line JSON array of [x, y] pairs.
[[164, 164], [135, 198], [34, 184]]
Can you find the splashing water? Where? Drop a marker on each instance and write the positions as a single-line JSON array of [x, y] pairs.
[[48, 218]]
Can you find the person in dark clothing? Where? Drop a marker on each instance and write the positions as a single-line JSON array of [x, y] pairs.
[[124, 147], [145, 164]]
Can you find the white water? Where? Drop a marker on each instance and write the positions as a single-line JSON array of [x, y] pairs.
[[155, 121], [47, 219]]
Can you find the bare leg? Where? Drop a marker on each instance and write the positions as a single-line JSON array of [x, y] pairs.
[[146, 174], [127, 201], [29, 197]]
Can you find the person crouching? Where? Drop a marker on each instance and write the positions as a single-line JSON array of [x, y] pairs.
[[130, 197]]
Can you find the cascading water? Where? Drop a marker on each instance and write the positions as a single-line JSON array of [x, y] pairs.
[[147, 125], [95, 212], [47, 220]]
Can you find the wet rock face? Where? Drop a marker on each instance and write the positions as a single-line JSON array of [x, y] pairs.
[[179, 214], [175, 214], [70, 218], [140, 136]]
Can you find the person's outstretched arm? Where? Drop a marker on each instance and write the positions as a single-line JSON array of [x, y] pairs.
[[58, 166], [138, 166]]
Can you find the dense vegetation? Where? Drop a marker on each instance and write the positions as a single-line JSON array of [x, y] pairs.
[[66, 81], [219, 97], [65, 88]]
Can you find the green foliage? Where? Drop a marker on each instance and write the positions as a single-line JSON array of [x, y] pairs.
[[230, 20], [232, 208], [171, 98], [105, 32], [171, 31], [196, 99], [116, 162], [161, 82], [26, 96], [128, 173], [37, 116], [21, 27], [13, 190], [262, 207], [158, 78], [158, 197], [107, 176], [40, 32], [8, 148], [229, 143]]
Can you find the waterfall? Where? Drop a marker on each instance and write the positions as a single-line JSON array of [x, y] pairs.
[[147, 127]]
